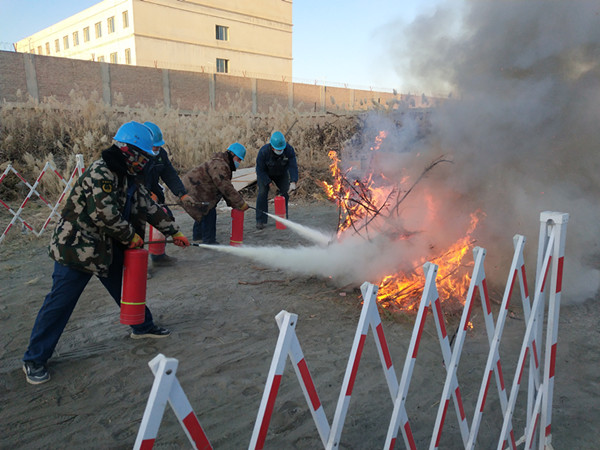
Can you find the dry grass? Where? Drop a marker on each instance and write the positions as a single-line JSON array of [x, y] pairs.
[[32, 133]]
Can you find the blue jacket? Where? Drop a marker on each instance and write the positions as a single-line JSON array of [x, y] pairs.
[[269, 165], [160, 168]]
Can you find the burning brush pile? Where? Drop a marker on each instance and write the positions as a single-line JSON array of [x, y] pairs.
[[381, 206]]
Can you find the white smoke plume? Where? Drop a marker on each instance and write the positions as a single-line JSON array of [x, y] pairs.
[[522, 124]]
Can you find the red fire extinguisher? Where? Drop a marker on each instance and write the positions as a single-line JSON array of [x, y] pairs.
[[237, 228], [280, 211], [159, 242], [133, 289]]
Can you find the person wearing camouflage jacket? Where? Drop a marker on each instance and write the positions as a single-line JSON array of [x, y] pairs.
[[104, 215], [207, 184]]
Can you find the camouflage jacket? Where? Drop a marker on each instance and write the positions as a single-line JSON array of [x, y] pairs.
[[92, 221], [209, 183]]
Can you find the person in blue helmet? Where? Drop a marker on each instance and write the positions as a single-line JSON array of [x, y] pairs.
[[105, 213], [275, 164], [159, 169], [207, 184]]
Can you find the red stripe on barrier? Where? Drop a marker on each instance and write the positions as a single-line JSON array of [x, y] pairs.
[[25, 202], [552, 360], [535, 355], [147, 444], [384, 346], [470, 307], [58, 174], [439, 436], [438, 308], [523, 365], [27, 225], [512, 438], [392, 444], [524, 281], [2, 177], [43, 199], [40, 176], [8, 228], [486, 296], [264, 426], [499, 366], [559, 275], [22, 179], [356, 363], [548, 429], [512, 285], [409, 435], [487, 385], [537, 418], [546, 273], [5, 205], [460, 404], [308, 382], [196, 432], [421, 325]]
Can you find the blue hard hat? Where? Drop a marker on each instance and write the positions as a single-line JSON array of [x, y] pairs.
[[277, 140], [238, 150], [136, 134], [158, 136]]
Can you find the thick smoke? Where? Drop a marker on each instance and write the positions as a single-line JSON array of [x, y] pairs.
[[522, 123]]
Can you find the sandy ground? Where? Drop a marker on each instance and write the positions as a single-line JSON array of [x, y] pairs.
[[222, 313]]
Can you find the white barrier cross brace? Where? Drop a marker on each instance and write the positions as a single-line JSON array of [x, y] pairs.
[[288, 344], [165, 388], [430, 297], [79, 168], [551, 243]]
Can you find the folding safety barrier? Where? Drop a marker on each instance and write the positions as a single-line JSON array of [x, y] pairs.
[[79, 168], [540, 386], [166, 387]]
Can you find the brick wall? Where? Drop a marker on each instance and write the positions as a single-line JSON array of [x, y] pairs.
[[44, 76]]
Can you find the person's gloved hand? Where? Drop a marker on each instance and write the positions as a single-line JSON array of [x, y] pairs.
[[136, 241], [180, 240], [292, 187], [186, 200], [244, 207]]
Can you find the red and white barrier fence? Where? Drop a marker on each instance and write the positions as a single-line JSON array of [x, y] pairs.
[[540, 388], [166, 388], [48, 167]]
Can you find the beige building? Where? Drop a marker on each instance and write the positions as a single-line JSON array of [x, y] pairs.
[[250, 38]]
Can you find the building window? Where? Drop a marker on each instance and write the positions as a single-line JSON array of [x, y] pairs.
[[110, 24], [86, 34], [222, 33], [100, 59], [47, 48], [98, 28], [39, 49], [66, 42], [222, 65], [127, 56], [75, 38], [57, 45], [125, 19], [113, 58]]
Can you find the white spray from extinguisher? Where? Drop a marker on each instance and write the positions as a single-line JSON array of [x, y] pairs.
[[311, 234]]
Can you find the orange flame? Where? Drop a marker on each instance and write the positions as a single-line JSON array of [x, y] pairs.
[[360, 200]]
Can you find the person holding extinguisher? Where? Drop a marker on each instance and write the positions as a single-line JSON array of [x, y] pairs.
[[104, 215]]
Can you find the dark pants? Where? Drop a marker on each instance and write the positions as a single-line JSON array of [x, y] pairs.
[[262, 202], [67, 286], [206, 229]]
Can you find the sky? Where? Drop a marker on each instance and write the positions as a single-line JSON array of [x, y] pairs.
[[334, 41]]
